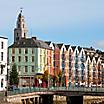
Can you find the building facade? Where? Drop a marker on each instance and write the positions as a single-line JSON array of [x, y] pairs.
[[66, 65], [31, 56], [3, 63]]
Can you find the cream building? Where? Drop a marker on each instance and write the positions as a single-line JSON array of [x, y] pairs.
[[3, 62]]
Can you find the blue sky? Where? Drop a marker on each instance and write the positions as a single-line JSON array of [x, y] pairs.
[[74, 22]]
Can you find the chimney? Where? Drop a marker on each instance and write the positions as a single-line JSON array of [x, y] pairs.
[[34, 38]]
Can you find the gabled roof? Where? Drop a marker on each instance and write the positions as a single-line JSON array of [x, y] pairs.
[[48, 42], [91, 57], [29, 43], [73, 47], [96, 58], [67, 47], [60, 45], [79, 48], [55, 45]]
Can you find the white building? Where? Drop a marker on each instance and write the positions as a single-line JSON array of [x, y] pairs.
[[3, 62]]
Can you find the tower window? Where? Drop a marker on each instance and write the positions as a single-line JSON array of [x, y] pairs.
[[17, 38], [17, 34], [19, 20], [18, 25], [23, 25]]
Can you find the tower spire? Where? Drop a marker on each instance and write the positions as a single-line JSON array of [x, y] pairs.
[[21, 29]]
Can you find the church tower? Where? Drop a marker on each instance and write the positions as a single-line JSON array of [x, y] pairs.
[[21, 30]]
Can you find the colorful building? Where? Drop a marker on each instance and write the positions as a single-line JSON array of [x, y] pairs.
[[30, 55], [54, 64]]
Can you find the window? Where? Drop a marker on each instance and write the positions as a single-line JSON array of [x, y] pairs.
[[1, 56], [2, 45], [18, 25], [17, 38], [1, 69], [32, 51], [13, 58], [19, 50], [17, 34], [19, 58], [26, 59], [26, 69], [32, 58], [19, 68], [2, 82], [19, 19], [23, 25], [26, 51], [24, 35], [32, 69], [13, 50]]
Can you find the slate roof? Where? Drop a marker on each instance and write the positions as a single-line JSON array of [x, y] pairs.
[[3, 37], [73, 47], [67, 47], [60, 45], [89, 49], [91, 58], [29, 43], [79, 48], [48, 42], [96, 58], [55, 45]]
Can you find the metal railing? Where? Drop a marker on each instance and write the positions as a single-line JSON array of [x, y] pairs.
[[39, 89]]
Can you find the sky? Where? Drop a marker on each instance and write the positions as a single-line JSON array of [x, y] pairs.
[[73, 22]]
